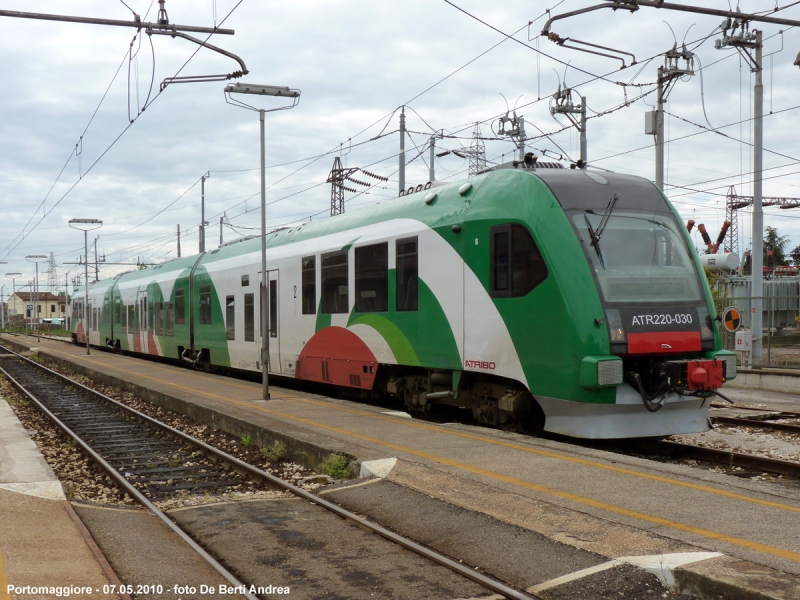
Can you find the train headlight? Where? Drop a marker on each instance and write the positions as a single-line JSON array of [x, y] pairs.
[[598, 371], [616, 331], [706, 334]]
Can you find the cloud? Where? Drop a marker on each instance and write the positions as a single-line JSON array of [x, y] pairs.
[[355, 62]]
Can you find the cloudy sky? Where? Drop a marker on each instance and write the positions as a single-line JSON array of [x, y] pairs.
[[69, 149]]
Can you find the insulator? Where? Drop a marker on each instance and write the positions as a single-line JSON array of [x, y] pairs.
[[690, 225], [706, 238], [722, 232]]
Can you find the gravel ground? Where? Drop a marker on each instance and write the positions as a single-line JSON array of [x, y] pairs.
[[84, 482], [771, 444], [623, 582], [81, 480]]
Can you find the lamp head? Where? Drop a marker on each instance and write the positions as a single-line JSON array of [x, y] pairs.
[[86, 221], [797, 60], [36, 257], [13, 274], [261, 90]]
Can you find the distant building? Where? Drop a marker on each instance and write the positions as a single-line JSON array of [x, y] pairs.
[[47, 306]]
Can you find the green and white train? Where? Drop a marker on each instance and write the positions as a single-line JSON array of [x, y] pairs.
[[539, 298]]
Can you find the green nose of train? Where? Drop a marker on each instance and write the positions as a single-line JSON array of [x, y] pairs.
[[537, 298]]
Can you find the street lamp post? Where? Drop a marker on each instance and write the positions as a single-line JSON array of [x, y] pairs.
[[36, 258], [14, 288], [86, 225], [262, 90]]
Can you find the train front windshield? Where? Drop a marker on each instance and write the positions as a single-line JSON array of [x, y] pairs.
[[638, 257]]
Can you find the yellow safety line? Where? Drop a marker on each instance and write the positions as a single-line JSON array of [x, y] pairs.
[[501, 443], [788, 554], [4, 595]]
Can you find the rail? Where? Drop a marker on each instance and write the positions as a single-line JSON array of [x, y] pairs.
[[243, 468]]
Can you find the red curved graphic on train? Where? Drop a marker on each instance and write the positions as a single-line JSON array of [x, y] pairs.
[[80, 334], [337, 355]]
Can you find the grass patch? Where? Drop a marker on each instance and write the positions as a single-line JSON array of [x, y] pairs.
[[246, 441], [336, 465], [274, 453]]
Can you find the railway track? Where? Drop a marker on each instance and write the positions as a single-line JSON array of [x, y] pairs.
[[751, 462], [150, 460]]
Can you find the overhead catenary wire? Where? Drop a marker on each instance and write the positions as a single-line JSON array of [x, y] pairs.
[[24, 235]]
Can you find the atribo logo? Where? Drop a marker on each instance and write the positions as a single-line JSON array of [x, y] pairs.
[[479, 364]]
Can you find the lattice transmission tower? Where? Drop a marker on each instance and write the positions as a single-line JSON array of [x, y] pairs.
[[733, 202], [340, 175], [477, 152], [52, 274]]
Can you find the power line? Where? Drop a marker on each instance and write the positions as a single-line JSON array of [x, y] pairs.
[[113, 143]]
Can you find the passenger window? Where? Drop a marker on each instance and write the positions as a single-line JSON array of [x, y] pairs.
[[230, 318], [273, 308], [406, 275], [159, 318], [516, 263], [335, 283], [106, 316], [245, 280], [180, 306], [372, 278], [309, 285], [132, 318], [205, 305], [249, 318], [169, 309]]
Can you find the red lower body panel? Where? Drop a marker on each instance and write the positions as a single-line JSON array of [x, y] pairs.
[[338, 356], [664, 342]]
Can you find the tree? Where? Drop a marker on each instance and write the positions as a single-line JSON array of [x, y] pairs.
[[795, 255], [776, 243]]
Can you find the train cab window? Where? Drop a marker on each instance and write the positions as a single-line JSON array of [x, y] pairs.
[[117, 310], [151, 313], [309, 285], [205, 305], [406, 275], [180, 306], [335, 283], [169, 314], [516, 263], [372, 278], [230, 318], [106, 316], [249, 318]]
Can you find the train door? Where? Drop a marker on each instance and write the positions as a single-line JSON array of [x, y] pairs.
[[273, 322], [142, 329]]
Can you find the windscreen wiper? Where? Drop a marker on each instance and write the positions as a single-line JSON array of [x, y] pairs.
[[606, 215], [595, 240], [596, 234]]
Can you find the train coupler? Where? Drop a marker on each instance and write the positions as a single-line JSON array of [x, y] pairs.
[[695, 375]]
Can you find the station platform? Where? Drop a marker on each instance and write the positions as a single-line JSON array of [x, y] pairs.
[[617, 506], [45, 551]]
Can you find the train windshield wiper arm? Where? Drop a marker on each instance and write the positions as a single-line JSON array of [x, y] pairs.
[[595, 241], [596, 234], [606, 215]]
